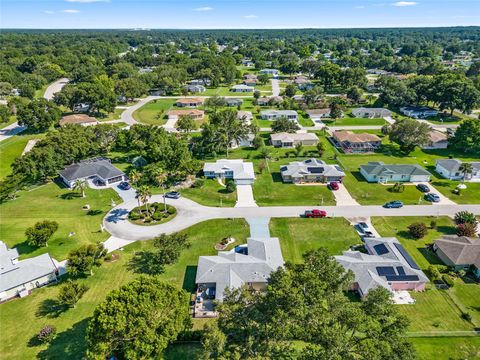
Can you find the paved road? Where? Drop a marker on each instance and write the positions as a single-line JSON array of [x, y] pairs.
[[54, 88], [190, 213], [10, 130], [275, 87]]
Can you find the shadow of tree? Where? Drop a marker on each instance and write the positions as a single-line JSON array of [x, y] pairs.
[[50, 308], [70, 195], [69, 344], [276, 176], [189, 278], [94, 212], [145, 262], [116, 215]]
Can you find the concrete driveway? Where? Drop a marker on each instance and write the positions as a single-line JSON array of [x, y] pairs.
[[443, 199], [275, 87], [245, 196], [343, 197]]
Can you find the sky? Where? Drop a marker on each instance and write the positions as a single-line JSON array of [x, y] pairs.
[[235, 14]]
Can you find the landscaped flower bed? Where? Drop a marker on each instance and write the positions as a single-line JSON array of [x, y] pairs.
[[151, 214]]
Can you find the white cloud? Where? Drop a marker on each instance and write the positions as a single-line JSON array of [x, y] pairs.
[[48, 12], [71, 11], [86, 1], [204, 8], [405, 3], [251, 16]]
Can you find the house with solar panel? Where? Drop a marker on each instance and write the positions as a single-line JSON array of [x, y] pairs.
[[379, 172], [387, 264], [311, 171]]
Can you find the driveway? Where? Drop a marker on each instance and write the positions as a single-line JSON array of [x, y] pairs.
[[443, 199], [245, 196], [54, 88], [275, 87], [343, 197]]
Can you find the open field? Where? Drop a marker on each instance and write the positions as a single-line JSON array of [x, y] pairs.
[[10, 149], [447, 348], [154, 112]]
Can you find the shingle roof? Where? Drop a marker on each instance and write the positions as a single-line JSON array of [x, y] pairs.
[[301, 168], [453, 165], [379, 168], [77, 119], [290, 137], [189, 101], [241, 170], [460, 250], [318, 111], [185, 112], [88, 168], [437, 136], [352, 137], [278, 112]]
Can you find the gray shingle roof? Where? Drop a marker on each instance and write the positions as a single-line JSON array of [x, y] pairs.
[[88, 168], [453, 165], [460, 250], [302, 168], [379, 168]]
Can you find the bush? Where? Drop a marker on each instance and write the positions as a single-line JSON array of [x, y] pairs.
[[433, 224], [171, 210], [39, 234], [198, 183], [231, 187], [417, 230], [433, 273], [134, 215], [448, 280], [463, 217], [47, 334], [157, 215], [466, 316], [467, 229]]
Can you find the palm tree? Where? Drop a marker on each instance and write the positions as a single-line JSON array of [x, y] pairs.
[[143, 195], [80, 185], [230, 129], [160, 178], [467, 169], [135, 176]]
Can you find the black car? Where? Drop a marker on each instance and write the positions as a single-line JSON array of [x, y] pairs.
[[393, 204], [124, 186], [173, 195], [423, 188], [432, 197]]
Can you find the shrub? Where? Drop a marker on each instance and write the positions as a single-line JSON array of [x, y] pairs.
[[47, 334], [448, 280], [39, 234], [198, 183], [433, 273], [398, 188], [417, 230], [231, 187], [134, 215], [157, 215], [463, 217], [467, 229], [433, 224], [171, 210], [466, 316]]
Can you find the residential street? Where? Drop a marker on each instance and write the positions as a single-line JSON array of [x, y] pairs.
[[55, 87]]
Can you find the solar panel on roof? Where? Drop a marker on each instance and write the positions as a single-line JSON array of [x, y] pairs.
[[315, 170], [385, 270], [402, 278], [283, 168], [380, 249], [308, 161], [400, 270], [406, 256]]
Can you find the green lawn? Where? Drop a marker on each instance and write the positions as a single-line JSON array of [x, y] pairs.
[[349, 121], [154, 112], [10, 121], [50, 202], [17, 331], [298, 235], [447, 348], [12, 148], [471, 195], [210, 194], [467, 295], [115, 115]]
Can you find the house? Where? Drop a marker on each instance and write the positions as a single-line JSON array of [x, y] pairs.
[[248, 63], [81, 108], [450, 169], [249, 82], [351, 142], [241, 172], [288, 140], [318, 114], [265, 101], [249, 77], [194, 113], [195, 88], [303, 83], [92, 169], [311, 170], [418, 112], [277, 114], [246, 141], [438, 140], [249, 265], [18, 277], [378, 172], [387, 264], [234, 102], [80, 119], [247, 116], [156, 92], [242, 88], [272, 72], [189, 102], [371, 113], [204, 82], [459, 252]]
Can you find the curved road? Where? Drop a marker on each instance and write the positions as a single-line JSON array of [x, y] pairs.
[[190, 213], [54, 88]]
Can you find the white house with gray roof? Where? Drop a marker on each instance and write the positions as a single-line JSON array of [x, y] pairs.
[[242, 88], [277, 114], [99, 168], [311, 171], [288, 140], [238, 170], [18, 277], [450, 169], [249, 265], [387, 264], [379, 172], [371, 113]]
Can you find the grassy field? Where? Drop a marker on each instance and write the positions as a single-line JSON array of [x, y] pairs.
[[17, 331], [350, 121], [297, 236], [51, 202], [10, 121], [210, 194], [10, 149], [447, 348], [115, 115], [470, 195], [154, 112]]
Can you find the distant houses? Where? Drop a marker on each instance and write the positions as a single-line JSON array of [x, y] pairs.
[[379, 172], [386, 264], [288, 140], [242, 88], [438, 140], [245, 115], [272, 72], [450, 169], [265, 101], [351, 142], [193, 88], [238, 170], [234, 102], [311, 171], [19, 277], [371, 113], [459, 252], [77, 119], [194, 113], [99, 170], [277, 114], [418, 112], [318, 114], [189, 102]]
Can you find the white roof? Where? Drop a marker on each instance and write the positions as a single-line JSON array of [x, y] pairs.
[[290, 137], [241, 170], [278, 112], [232, 270]]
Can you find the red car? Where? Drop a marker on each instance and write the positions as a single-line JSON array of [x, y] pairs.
[[334, 185], [315, 214]]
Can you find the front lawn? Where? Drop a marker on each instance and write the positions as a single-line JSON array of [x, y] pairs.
[[115, 115], [447, 348], [154, 112], [349, 121], [470, 195], [211, 194], [10, 149], [298, 235], [51, 202]]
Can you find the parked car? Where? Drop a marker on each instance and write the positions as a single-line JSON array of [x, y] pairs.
[[368, 234], [315, 213], [432, 197], [393, 204], [124, 186], [333, 186], [423, 188], [173, 195], [362, 227]]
